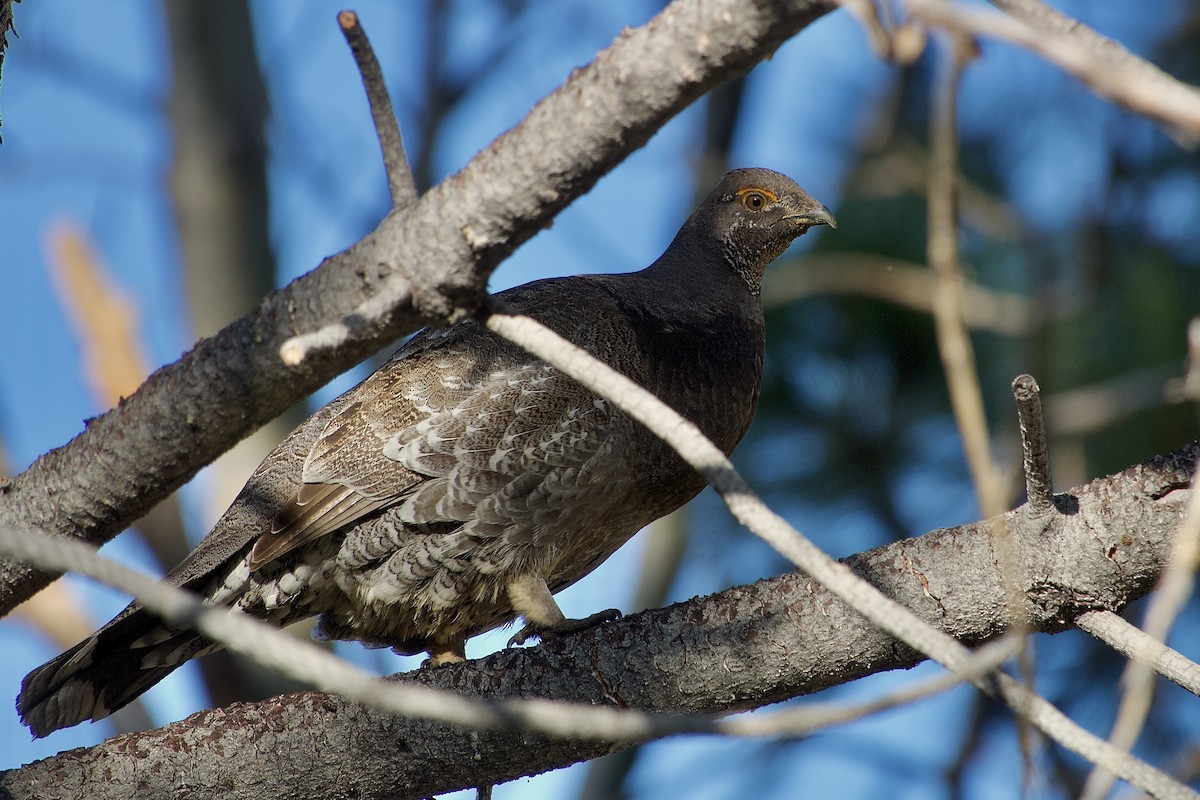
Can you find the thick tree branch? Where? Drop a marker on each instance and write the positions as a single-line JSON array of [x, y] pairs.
[[445, 245], [741, 648]]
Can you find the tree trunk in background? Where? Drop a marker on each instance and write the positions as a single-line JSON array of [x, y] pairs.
[[219, 109]]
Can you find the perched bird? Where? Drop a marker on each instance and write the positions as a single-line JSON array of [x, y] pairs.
[[465, 481]]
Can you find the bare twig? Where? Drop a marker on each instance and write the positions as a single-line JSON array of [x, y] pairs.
[[1145, 89], [393, 292], [881, 610], [1132, 642], [1174, 589], [954, 344], [396, 289], [1033, 443], [894, 281], [395, 161]]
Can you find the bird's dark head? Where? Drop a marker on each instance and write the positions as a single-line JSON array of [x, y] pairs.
[[750, 218]]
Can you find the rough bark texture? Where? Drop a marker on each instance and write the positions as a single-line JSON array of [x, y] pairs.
[[742, 648], [446, 246]]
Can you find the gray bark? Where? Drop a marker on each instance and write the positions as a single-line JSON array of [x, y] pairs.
[[1103, 546]]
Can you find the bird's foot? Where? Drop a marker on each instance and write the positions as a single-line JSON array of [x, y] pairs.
[[445, 652], [441, 660], [563, 628]]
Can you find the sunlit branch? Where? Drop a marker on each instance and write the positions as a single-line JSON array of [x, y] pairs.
[[1147, 91], [395, 160]]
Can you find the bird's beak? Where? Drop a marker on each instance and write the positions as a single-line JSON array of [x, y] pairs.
[[822, 216]]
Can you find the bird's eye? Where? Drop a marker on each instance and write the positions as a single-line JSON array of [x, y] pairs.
[[754, 200]]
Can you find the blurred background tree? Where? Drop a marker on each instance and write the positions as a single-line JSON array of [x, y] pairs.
[[207, 152]]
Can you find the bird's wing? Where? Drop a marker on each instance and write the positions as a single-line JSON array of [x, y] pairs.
[[346, 475], [527, 456], [455, 418]]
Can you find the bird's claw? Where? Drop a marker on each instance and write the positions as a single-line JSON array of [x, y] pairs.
[[567, 626]]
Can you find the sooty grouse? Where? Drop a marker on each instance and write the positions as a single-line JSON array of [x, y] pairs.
[[465, 481]]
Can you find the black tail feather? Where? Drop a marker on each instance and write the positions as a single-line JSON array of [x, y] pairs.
[[104, 672]]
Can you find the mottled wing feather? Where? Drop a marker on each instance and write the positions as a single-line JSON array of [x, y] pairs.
[[317, 509], [450, 423], [515, 463]]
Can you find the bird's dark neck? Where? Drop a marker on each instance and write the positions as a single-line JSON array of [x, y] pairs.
[[701, 338], [706, 264]]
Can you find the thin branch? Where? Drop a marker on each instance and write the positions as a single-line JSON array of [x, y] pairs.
[[815, 716], [877, 33], [393, 292], [954, 344], [1187, 388], [1033, 443], [901, 165], [1174, 589], [395, 160], [396, 289], [881, 610], [1133, 643], [902, 283], [1144, 80], [1086, 409], [1146, 90], [321, 669]]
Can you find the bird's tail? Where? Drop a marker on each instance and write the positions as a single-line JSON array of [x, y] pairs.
[[106, 671]]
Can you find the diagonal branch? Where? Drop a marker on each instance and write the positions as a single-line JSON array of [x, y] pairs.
[[1174, 591], [321, 669], [445, 245], [886, 613]]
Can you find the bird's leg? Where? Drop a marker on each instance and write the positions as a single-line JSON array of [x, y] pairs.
[[446, 651], [531, 598]]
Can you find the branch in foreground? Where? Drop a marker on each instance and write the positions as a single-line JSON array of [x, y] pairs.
[[1174, 590], [884, 612], [741, 648], [446, 245], [1142, 75], [304, 661], [1133, 643]]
